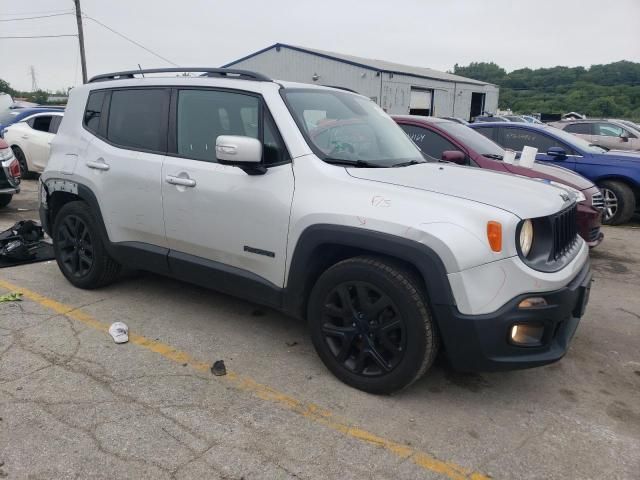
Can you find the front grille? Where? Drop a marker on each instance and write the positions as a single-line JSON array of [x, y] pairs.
[[597, 200], [594, 233], [565, 231]]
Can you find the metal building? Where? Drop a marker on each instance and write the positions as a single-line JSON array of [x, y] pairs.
[[398, 89]]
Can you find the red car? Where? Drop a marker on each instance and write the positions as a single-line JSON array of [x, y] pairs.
[[9, 174], [451, 141]]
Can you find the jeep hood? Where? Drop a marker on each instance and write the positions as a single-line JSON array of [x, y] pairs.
[[521, 196]]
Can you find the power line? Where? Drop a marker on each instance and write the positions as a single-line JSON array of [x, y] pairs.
[[33, 18], [34, 13], [40, 36], [130, 40]]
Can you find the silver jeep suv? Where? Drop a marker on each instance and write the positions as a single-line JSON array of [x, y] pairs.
[[313, 201]]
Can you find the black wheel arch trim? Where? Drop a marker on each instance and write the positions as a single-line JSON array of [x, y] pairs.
[[313, 238]]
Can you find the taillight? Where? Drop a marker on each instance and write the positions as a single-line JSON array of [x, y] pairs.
[[14, 169]]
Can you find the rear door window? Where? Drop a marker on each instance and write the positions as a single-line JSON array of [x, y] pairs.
[[579, 128], [489, 132], [138, 119]]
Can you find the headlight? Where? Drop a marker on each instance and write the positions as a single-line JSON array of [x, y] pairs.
[[526, 237]]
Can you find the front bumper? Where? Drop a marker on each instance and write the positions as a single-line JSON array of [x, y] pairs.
[[589, 222], [9, 190], [481, 342]]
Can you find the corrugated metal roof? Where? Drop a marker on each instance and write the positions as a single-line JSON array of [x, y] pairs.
[[373, 64]]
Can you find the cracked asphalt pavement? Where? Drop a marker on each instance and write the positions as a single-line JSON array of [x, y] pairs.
[[75, 405]]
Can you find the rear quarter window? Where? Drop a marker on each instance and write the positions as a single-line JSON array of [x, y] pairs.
[[93, 111]]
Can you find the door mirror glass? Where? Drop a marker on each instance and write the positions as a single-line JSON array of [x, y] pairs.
[[454, 156], [236, 149], [557, 152]]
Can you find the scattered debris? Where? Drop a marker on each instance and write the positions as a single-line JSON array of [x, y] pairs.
[[291, 344], [23, 243], [11, 297], [218, 368], [120, 332]]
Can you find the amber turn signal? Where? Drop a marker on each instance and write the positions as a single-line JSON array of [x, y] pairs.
[[494, 235]]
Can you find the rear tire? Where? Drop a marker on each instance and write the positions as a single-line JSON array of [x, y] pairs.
[[5, 199], [619, 202], [22, 160], [370, 324], [80, 252]]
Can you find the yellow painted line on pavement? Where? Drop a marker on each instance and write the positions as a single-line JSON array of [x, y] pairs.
[[310, 411]]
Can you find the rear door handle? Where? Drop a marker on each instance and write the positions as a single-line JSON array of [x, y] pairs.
[[97, 165], [183, 182]]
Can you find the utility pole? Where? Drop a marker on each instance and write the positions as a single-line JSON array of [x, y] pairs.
[[83, 59], [34, 82]]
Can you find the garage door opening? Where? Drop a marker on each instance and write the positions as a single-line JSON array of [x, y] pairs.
[[477, 104], [421, 102]]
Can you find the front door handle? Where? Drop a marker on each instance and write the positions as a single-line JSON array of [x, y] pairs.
[[183, 182], [25, 136], [97, 165]]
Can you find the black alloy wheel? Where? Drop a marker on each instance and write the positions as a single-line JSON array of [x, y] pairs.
[[363, 329], [76, 246]]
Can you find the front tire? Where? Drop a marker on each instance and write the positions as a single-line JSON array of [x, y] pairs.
[[5, 199], [370, 324], [80, 252], [619, 202]]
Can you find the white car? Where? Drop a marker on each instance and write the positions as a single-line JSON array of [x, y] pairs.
[[30, 139], [313, 201]]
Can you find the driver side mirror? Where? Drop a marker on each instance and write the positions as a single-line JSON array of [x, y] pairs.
[[454, 156], [624, 136], [557, 152], [243, 152]]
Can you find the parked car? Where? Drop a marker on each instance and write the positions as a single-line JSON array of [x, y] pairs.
[[616, 173], [490, 118], [14, 115], [531, 119], [30, 140], [457, 120], [384, 254], [9, 174], [610, 134], [445, 140], [515, 118]]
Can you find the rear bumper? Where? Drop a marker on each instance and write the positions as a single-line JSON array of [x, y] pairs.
[[481, 342]]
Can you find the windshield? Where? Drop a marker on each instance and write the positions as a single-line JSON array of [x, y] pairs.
[[574, 141], [344, 127], [472, 139], [8, 117]]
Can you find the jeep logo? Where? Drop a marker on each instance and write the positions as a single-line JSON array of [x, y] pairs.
[[565, 197]]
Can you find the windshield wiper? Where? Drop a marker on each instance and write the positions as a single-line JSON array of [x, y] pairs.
[[352, 163], [409, 163], [493, 155]]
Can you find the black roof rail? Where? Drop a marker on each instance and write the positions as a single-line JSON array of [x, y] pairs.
[[206, 72]]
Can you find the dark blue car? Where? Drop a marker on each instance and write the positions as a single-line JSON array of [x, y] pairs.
[[9, 117], [616, 172]]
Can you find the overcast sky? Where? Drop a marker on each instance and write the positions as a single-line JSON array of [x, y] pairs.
[[434, 34]]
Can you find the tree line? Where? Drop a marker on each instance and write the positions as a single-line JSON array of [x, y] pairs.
[[611, 90]]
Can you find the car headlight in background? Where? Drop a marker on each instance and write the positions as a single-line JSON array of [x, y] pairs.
[[526, 237]]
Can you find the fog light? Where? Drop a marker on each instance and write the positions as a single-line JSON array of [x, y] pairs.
[[532, 302], [527, 334]]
